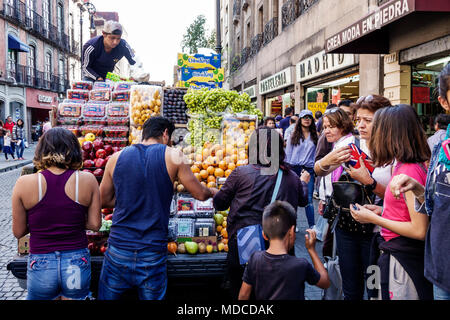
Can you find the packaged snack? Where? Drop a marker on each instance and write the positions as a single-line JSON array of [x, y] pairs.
[[116, 132], [97, 130], [74, 101], [82, 85], [74, 128], [121, 86], [116, 142], [204, 227], [94, 110], [78, 95], [204, 205], [73, 121], [185, 206], [185, 227], [120, 96], [100, 95], [117, 109], [145, 102], [102, 85], [70, 109]]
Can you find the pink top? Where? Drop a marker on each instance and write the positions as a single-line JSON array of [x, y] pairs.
[[397, 210]]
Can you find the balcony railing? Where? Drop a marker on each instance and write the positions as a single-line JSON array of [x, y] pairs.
[[256, 44], [270, 30], [19, 14], [31, 77], [235, 63], [293, 9], [245, 55]]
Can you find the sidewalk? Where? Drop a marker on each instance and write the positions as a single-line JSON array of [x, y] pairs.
[[28, 154]]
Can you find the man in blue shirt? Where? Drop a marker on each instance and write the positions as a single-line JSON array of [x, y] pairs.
[[286, 122], [100, 54]]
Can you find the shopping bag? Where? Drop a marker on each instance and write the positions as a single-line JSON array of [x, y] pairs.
[[321, 228], [334, 291], [25, 143]]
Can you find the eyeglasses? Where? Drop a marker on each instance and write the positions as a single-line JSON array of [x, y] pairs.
[[307, 117], [332, 110], [364, 99]]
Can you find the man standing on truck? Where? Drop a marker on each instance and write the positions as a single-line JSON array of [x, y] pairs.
[[138, 183], [100, 54]]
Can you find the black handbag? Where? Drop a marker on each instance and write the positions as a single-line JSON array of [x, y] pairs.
[[347, 191]]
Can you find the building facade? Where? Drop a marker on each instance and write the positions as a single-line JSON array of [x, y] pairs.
[[277, 50], [36, 46]]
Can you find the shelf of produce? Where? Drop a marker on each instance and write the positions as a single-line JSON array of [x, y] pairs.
[[179, 266]]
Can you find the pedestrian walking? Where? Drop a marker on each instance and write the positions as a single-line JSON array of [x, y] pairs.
[[434, 201], [273, 274], [47, 126], [9, 125], [399, 139], [269, 122], [249, 189], [138, 183], [7, 149], [56, 206], [285, 122], [2, 134], [18, 138], [291, 128], [300, 151]]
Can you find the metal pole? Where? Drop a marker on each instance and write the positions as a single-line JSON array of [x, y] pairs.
[[218, 31]]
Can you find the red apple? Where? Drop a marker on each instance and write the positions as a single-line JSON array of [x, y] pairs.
[[98, 173], [92, 155], [87, 170], [87, 146], [108, 217], [107, 211], [88, 163], [98, 144], [101, 153], [84, 155], [100, 163], [109, 149]]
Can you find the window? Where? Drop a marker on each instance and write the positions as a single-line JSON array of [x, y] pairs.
[[60, 18], [31, 64], [12, 62], [46, 5], [261, 20], [61, 74], [48, 69], [275, 9], [249, 35], [30, 5]]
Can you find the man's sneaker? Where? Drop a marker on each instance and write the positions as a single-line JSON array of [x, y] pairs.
[[316, 195]]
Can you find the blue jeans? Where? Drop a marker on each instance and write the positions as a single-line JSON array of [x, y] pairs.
[[354, 259], [1, 144], [20, 148], [60, 273], [309, 209], [440, 294], [125, 269]]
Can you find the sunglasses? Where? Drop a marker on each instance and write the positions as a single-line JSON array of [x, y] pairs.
[[307, 117], [364, 99], [332, 110]]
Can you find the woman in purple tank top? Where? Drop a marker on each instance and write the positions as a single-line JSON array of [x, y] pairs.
[[56, 206]]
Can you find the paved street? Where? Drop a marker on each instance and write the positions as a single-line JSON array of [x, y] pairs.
[[9, 286], [28, 154]]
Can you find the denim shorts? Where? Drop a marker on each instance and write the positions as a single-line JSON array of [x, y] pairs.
[[60, 273]]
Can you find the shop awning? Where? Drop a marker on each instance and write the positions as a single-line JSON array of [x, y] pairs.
[[370, 35], [15, 44]]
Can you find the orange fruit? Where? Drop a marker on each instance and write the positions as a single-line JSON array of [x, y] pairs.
[[239, 163], [195, 169], [224, 233], [225, 241], [211, 179], [224, 224], [227, 159], [219, 229], [242, 156], [172, 247], [198, 158], [228, 172], [231, 166], [234, 158], [203, 183], [211, 185], [210, 170], [197, 176], [219, 154], [225, 248], [205, 165], [219, 173], [204, 174], [215, 161], [223, 165], [206, 153], [207, 145]]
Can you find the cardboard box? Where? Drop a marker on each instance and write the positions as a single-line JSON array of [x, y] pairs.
[[202, 75], [199, 61], [23, 245]]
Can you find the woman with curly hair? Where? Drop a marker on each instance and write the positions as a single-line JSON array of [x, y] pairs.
[[56, 206]]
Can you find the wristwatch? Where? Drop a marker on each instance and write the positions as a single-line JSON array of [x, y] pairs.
[[372, 186]]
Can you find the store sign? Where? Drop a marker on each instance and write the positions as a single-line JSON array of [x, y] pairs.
[[278, 81], [44, 99], [382, 16], [421, 94], [391, 58], [322, 63], [251, 91], [317, 106]]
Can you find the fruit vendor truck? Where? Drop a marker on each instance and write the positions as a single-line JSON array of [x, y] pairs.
[[190, 261]]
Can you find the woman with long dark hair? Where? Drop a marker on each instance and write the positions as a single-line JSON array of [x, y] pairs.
[[248, 190], [18, 138], [300, 152]]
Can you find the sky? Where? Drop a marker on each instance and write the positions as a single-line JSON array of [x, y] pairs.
[[156, 27]]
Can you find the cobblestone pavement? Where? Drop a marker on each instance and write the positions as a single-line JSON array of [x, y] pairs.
[[9, 286]]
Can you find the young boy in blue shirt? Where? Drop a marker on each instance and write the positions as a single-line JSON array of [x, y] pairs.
[[274, 274]]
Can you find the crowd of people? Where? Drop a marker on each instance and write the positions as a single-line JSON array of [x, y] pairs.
[[12, 138], [383, 192]]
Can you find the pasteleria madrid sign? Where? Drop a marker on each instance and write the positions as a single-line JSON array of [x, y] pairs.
[[277, 81]]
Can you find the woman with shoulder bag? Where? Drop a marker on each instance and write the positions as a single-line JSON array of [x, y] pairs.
[[399, 139], [18, 138], [353, 240], [250, 188]]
